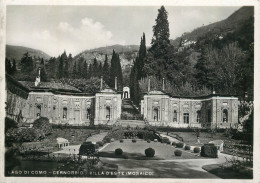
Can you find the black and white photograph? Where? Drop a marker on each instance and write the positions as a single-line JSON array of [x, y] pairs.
[[158, 91]]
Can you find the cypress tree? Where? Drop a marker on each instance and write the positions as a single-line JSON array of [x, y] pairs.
[[27, 63], [106, 70], [95, 68], [100, 69], [85, 70], [74, 72], [14, 69], [161, 35], [112, 70], [90, 71]]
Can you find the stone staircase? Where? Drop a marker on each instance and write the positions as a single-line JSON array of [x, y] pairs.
[[129, 111]]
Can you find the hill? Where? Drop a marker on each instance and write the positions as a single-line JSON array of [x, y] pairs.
[[16, 52], [127, 54], [219, 29]]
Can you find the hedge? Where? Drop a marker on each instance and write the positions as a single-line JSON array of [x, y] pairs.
[[209, 150], [121, 140], [100, 143], [134, 140], [179, 145]]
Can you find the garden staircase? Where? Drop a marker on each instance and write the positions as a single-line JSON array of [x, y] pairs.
[[130, 115]]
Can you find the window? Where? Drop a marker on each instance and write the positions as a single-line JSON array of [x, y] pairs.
[[198, 116], [209, 115], [225, 116], [174, 116], [38, 110], [88, 113], [107, 112], [65, 112], [186, 117]]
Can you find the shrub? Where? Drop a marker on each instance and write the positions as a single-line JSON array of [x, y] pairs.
[[86, 149], [134, 140], [209, 150], [118, 152], [112, 140], [10, 123], [121, 140], [196, 150], [107, 140], [148, 141], [168, 142], [96, 146], [149, 152], [187, 148], [178, 152], [179, 145], [43, 124], [165, 140], [174, 143], [100, 143]]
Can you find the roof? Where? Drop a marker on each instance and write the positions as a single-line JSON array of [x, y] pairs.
[[61, 140], [15, 87], [49, 86], [154, 92]]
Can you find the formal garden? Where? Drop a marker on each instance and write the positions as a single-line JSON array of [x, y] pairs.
[[223, 153]]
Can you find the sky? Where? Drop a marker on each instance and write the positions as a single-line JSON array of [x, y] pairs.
[[53, 29]]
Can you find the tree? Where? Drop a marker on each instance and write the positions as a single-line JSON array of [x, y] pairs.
[[95, 68], [106, 70], [85, 70], [8, 66], [27, 63], [161, 34], [100, 69], [14, 69], [115, 71], [43, 75], [74, 71]]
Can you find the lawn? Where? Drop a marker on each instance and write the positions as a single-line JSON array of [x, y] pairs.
[[136, 151], [190, 138]]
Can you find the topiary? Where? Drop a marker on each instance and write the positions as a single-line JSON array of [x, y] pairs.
[[187, 148], [209, 150], [196, 150], [118, 152], [169, 142], [121, 140], [178, 152], [134, 140], [179, 145], [149, 152], [165, 140], [148, 141], [112, 140], [174, 143]]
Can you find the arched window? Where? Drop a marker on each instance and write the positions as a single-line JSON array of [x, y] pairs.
[[38, 110], [65, 112], [174, 116], [107, 112], [198, 116], [209, 115], [88, 113], [186, 117], [225, 115]]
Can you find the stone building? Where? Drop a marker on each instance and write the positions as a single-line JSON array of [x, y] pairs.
[[64, 104], [212, 111]]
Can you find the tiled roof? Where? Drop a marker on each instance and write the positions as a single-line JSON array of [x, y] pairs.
[[49, 85]]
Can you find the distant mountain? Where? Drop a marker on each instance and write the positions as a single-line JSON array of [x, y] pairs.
[[16, 52], [219, 29], [127, 54]]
